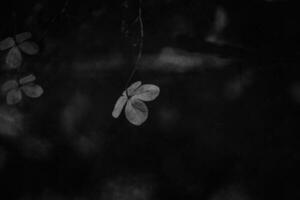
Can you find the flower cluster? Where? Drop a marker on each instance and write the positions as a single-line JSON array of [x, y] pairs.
[[14, 89]]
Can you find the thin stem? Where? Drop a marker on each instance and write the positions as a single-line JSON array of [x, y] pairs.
[[140, 49]]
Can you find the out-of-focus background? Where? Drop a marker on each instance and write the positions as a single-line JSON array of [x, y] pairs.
[[225, 125]]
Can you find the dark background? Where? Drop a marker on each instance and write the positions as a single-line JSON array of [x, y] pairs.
[[218, 130]]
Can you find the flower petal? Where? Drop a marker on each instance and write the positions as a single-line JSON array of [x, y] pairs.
[[14, 58], [119, 106], [147, 92], [7, 43], [133, 87], [136, 111], [14, 96], [21, 37], [9, 85], [30, 48], [32, 90], [27, 79]]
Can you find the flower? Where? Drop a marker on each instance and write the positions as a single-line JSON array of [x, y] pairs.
[[16, 45], [136, 110], [14, 89]]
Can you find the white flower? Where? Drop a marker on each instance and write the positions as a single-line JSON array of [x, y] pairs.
[[13, 89], [16, 45], [136, 110]]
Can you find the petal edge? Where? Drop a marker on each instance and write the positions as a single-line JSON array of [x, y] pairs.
[[147, 92], [119, 106], [21, 37], [136, 112], [7, 43], [133, 87], [32, 90], [14, 96]]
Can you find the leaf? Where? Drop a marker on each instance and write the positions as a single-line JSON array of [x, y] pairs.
[[133, 87], [21, 37], [119, 106], [14, 96], [14, 58], [7, 43], [136, 111], [27, 79], [30, 48], [32, 90], [147, 92], [8, 85]]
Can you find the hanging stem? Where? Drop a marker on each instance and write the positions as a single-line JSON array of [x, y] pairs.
[[140, 47]]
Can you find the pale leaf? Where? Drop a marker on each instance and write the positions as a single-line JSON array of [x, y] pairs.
[[27, 79], [136, 111], [7, 43], [32, 90], [14, 58], [14, 96], [21, 37], [147, 92], [119, 106], [30, 48], [8, 85]]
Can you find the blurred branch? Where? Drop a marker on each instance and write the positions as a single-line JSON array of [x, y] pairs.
[[52, 21], [258, 56]]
